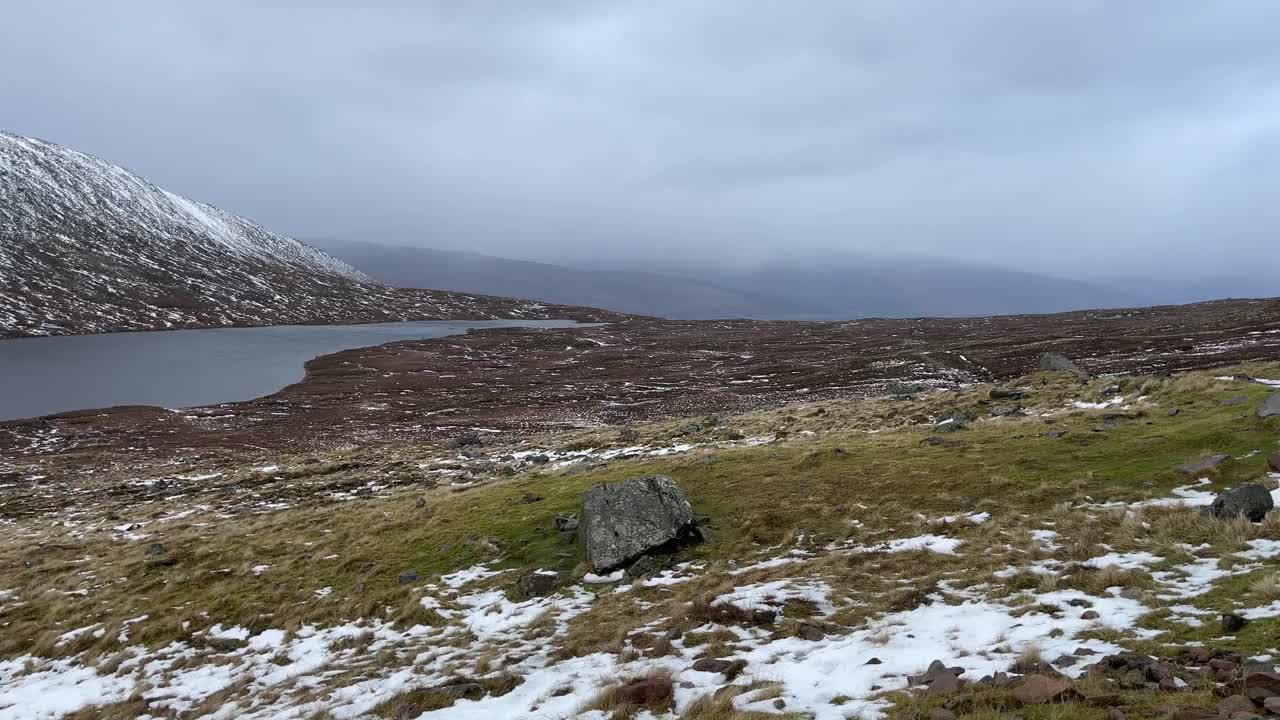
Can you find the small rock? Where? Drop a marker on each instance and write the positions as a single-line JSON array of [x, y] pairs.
[[729, 668], [649, 693], [1263, 685], [1228, 706], [1271, 407], [809, 631], [1065, 661], [420, 502], [1005, 393], [1173, 412], [1196, 467], [155, 549], [1053, 362], [1089, 615], [530, 498], [537, 583], [1249, 500], [462, 691], [465, 440], [944, 684], [1038, 690], [1232, 623], [409, 576], [1084, 652], [779, 703], [873, 661], [1055, 434]]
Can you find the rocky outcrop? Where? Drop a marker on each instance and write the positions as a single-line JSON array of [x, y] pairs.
[[622, 521], [1250, 500], [1271, 407], [1203, 465], [1053, 362]]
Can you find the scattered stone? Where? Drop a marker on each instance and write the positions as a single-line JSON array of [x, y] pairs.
[[462, 691], [1250, 500], [645, 567], [874, 661], [1133, 671], [1089, 615], [1053, 362], [530, 498], [469, 439], [729, 668], [409, 576], [1055, 434], [945, 684], [811, 632], [1084, 652], [225, 644], [1015, 410], [1232, 623], [1263, 685], [1196, 467], [779, 703], [1173, 412], [621, 521], [654, 693], [1065, 660], [155, 549], [1271, 407], [420, 502], [567, 526], [1005, 393], [1038, 690], [1229, 706], [537, 583]]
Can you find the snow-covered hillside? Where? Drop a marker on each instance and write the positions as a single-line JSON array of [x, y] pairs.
[[87, 246]]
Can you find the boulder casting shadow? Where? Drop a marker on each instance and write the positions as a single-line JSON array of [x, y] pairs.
[[640, 515]]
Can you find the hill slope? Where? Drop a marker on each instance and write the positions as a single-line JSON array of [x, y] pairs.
[[87, 246], [647, 293], [810, 285]]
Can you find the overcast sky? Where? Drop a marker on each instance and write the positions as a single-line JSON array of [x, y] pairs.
[[1061, 136]]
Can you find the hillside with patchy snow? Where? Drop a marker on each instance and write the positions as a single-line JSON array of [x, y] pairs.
[[88, 247]]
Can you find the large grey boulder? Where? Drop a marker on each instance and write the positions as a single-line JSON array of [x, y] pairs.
[[622, 521], [1053, 362], [1271, 407], [1249, 500]]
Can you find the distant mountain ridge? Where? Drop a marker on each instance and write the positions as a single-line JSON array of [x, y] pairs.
[[831, 285], [87, 246], [645, 293]]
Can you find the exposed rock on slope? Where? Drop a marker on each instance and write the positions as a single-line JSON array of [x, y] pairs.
[[88, 247], [624, 520]]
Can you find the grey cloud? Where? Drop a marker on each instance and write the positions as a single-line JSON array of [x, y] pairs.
[[1070, 137]]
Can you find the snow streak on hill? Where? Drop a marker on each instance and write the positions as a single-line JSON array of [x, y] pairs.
[[87, 246]]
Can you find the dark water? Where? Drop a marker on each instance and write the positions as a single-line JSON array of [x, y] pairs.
[[185, 368]]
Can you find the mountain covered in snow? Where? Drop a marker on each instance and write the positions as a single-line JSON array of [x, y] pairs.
[[89, 247]]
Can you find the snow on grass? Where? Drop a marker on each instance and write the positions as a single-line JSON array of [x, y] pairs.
[[1124, 561], [930, 543], [469, 575]]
